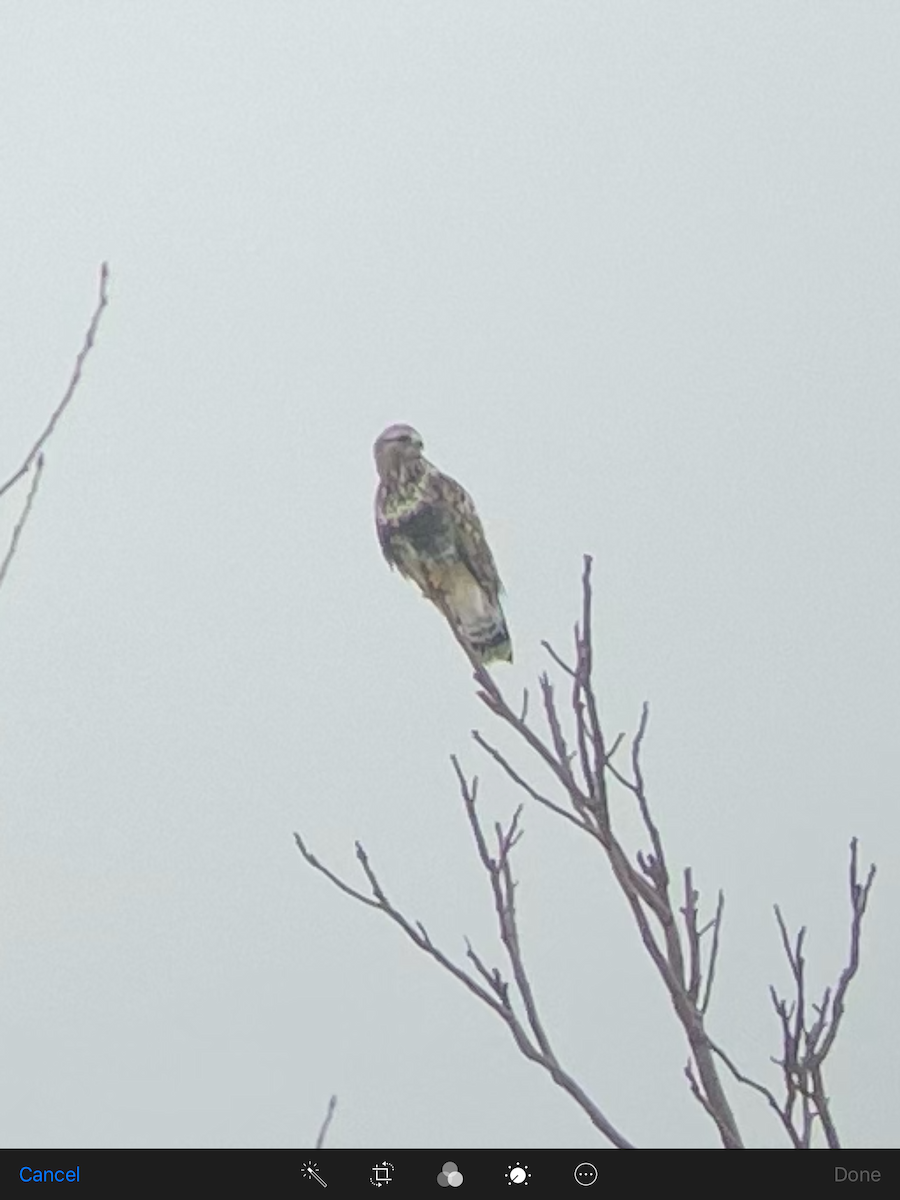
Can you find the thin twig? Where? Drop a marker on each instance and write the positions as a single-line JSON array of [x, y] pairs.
[[693, 935], [85, 350], [563, 666], [640, 793], [491, 696], [763, 1091], [320, 1140], [23, 517], [585, 672], [714, 952], [335, 879], [525, 785]]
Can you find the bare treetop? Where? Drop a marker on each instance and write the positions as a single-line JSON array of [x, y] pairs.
[[682, 945]]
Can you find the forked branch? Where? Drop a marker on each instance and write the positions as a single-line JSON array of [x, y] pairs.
[[505, 996], [34, 459], [808, 1036]]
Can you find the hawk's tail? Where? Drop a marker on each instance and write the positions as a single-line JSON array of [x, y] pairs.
[[493, 644], [479, 621]]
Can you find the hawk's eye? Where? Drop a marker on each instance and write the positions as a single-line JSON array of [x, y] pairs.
[[404, 437]]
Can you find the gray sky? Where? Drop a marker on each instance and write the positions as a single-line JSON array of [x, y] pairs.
[[632, 270]]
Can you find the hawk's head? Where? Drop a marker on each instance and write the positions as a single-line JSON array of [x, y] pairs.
[[397, 449]]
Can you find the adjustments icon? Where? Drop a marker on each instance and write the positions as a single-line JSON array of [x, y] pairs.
[[518, 1174], [450, 1175], [586, 1174], [381, 1174], [311, 1171]]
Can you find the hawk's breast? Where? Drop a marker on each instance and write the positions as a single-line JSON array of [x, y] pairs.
[[428, 532]]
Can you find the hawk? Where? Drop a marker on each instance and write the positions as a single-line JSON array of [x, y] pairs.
[[429, 530]]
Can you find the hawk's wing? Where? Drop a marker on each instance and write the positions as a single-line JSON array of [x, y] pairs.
[[471, 544], [383, 527]]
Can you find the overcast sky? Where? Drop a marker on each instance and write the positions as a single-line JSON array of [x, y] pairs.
[[632, 270]]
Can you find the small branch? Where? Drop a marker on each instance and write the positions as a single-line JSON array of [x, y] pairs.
[[617, 742], [320, 1140], [335, 879], [859, 898], [697, 1091], [763, 1091], [563, 756], [585, 671], [492, 698], [85, 350], [563, 666], [34, 459], [23, 517], [525, 785], [693, 935], [714, 952], [640, 793], [493, 978]]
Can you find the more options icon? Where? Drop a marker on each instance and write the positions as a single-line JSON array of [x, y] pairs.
[[586, 1174]]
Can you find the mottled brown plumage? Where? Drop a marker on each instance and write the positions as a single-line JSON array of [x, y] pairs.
[[429, 530]]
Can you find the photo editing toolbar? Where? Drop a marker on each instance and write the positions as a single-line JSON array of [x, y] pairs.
[[388, 1173]]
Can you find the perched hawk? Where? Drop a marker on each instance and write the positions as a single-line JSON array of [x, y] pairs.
[[429, 530]]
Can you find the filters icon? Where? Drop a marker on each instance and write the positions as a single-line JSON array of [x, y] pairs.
[[450, 1175]]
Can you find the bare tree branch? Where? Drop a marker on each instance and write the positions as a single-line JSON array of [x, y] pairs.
[[34, 459], [805, 1042], [523, 783], [533, 1041], [859, 898], [645, 886], [563, 666], [575, 751], [335, 879], [85, 350], [763, 1091]]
